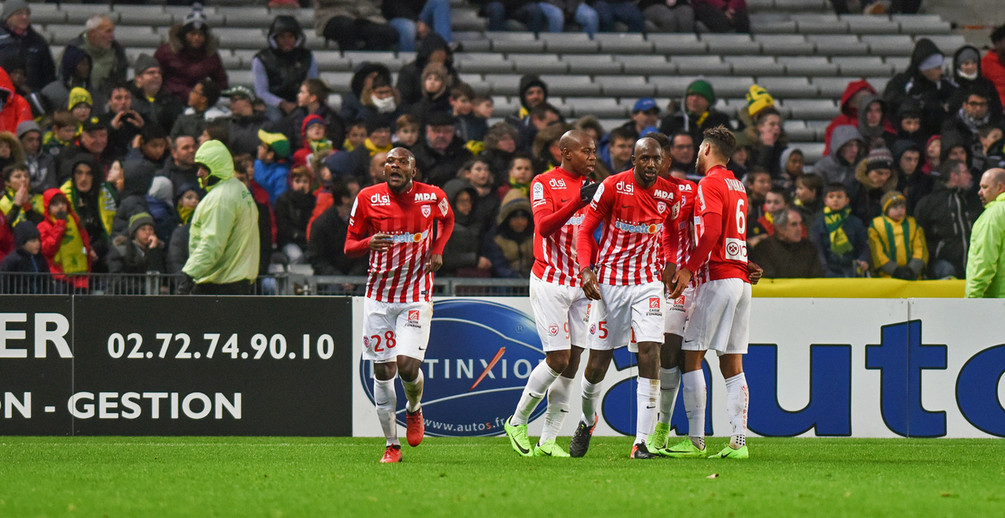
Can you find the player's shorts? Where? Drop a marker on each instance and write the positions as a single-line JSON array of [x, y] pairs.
[[677, 312], [721, 320], [560, 314], [624, 309], [392, 329]]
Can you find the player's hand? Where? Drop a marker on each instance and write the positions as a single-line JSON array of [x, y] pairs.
[[680, 281], [668, 272], [754, 272], [435, 262], [380, 242], [587, 191], [590, 285]]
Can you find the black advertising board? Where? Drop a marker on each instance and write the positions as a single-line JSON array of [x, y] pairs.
[[194, 366]]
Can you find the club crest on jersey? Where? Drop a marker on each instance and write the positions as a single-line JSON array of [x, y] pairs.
[[593, 329], [661, 207], [425, 196], [426, 211], [624, 187], [675, 212], [366, 342], [557, 183], [660, 194], [378, 200], [444, 206], [553, 330]]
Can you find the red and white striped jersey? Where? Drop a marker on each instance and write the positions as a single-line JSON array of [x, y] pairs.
[[555, 255], [399, 274], [631, 238], [721, 193], [684, 234]]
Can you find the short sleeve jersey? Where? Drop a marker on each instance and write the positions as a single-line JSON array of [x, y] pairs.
[[631, 236], [685, 227], [399, 274], [721, 193], [555, 255]]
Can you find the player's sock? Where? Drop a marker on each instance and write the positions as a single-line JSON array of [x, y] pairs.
[[694, 403], [386, 399], [558, 408], [669, 383], [737, 398], [591, 393], [645, 417], [413, 391], [537, 384]]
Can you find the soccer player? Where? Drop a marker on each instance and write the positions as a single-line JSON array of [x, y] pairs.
[[394, 221], [559, 198], [722, 296], [626, 289]]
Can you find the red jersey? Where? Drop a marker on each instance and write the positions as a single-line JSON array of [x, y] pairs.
[[682, 236], [630, 242], [720, 193], [399, 273], [555, 254]]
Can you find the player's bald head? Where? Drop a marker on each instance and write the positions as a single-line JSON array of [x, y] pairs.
[[574, 139], [400, 151], [646, 145]]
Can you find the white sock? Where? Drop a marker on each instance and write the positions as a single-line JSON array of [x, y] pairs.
[[669, 383], [386, 399], [413, 391], [537, 384], [645, 416], [737, 398], [694, 403], [591, 394], [558, 408]]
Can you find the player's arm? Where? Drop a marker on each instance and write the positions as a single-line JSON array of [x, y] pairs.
[[446, 228], [357, 240], [710, 211], [599, 208]]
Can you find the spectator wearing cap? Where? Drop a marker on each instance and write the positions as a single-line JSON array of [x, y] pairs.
[[202, 108], [645, 114], [924, 81], [13, 108], [108, 58], [272, 168], [154, 104], [280, 68], [758, 98], [967, 76], [41, 166], [696, 112], [415, 18], [947, 216], [993, 63], [93, 142], [723, 15], [441, 153], [19, 38], [355, 25], [312, 99], [190, 55], [74, 71], [873, 178], [245, 120], [898, 244], [850, 99], [357, 162], [314, 138], [434, 49], [667, 16], [80, 103], [26, 259]]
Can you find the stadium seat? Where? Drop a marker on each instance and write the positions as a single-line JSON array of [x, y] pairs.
[[729, 86], [838, 44], [483, 63], [807, 5], [782, 44], [332, 61], [466, 19], [596, 106], [947, 44], [798, 131], [808, 108], [337, 81], [862, 66], [229, 60], [754, 65], [820, 24], [677, 44], [569, 85], [812, 151], [77, 14], [177, 12], [654, 64], [45, 13], [592, 64], [246, 56], [832, 87], [889, 44], [240, 77], [631, 86], [923, 25], [250, 16], [700, 65], [812, 66], [868, 24], [540, 64], [568, 42], [241, 37], [788, 87], [740, 44], [503, 105], [504, 84], [622, 43]]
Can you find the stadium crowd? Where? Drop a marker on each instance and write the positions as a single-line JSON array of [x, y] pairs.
[[99, 170]]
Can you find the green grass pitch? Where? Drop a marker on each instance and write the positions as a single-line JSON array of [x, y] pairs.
[[284, 477]]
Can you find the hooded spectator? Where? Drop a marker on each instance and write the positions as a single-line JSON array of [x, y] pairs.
[[280, 68], [190, 55], [839, 166], [434, 49], [74, 71], [850, 99], [968, 78], [924, 81], [13, 108]]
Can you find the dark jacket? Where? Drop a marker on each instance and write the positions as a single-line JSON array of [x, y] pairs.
[[410, 76], [21, 262], [177, 252], [326, 247], [138, 177], [40, 69], [118, 72], [681, 121], [460, 255], [352, 107], [782, 260], [511, 253], [243, 133], [183, 67], [947, 216], [163, 110], [964, 85], [285, 70], [911, 83], [841, 265], [292, 126], [438, 168], [293, 211]]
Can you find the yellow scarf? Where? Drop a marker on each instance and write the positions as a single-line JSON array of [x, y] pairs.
[[185, 213], [72, 255], [374, 149]]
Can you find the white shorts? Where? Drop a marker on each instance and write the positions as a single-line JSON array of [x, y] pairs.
[[721, 320], [392, 329], [560, 313], [678, 311], [625, 312]]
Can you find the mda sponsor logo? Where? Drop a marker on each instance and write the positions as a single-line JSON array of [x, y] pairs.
[[479, 357]]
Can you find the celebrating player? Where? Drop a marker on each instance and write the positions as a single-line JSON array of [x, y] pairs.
[[394, 222], [626, 289], [559, 198], [722, 297]]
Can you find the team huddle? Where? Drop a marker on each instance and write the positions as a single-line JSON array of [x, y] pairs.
[[667, 276]]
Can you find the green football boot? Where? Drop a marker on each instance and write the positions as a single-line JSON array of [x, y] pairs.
[[729, 453], [549, 449], [684, 450], [657, 441], [518, 437]]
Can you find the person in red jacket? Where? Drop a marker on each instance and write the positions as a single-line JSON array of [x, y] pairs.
[[850, 99], [65, 243], [993, 63], [13, 108], [189, 56]]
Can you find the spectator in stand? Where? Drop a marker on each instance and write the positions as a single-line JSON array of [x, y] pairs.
[[74, 71], [326, 242], [969, 118], [355, 136], [909, 123], [510, 243], [533, 92], [668, 15], [723, 15], [41, 166], [19, 38], [947, 216], [18, 202], [412, 19], [841, 239], [911, 181], [786, 253], [839, 166], [202, 108], [683, 152], [521, 172], [186, 200], [244, 171], [16, 67], [956, 147], [180, 168], [380, 101], [441, 153], [616, 153], [696, 113], [138, 176], [154, 104], [758, 99], [282, 67], [312, 99], [809, 196], [354, 25], [769, 141], [741, 155], [108, 57], [624, 11], [27, 261], [406, 131], [93, 200], [435, 93], [356, 163], [293, 211], [122, 121], [993, 63], [65, 243], [897, 242], [758, 184], [986, 258], [591, 126], [791, 166], [500, 146], [245, 120], [190, 55], [558, 12], [850, 100], [527, 12], [93, 141], [873, 125], [272, 168], [314, 136], [470, 126], [160, 199], [136, 252], [475, 173], [434, 49], [924, 81], [151, 147], [968, 78], [547, 154], [775, 200], [933, 154], [13, 108], [645, 114], [463, 256], [873, 179], [362, 79]]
